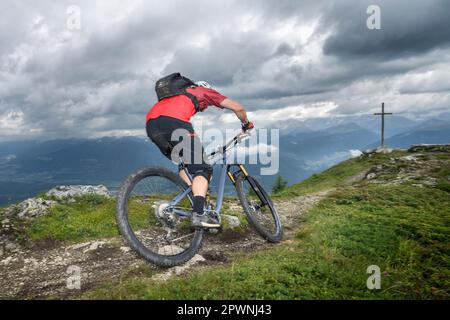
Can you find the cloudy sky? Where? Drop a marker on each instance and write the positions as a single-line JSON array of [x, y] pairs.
[[287, 59]]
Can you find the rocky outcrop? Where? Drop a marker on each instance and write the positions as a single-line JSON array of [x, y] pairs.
[[178, 270], [429, 148], [12, 221], [13, 216], [62, 192], [34, 207], [419, 167], [30, 208]]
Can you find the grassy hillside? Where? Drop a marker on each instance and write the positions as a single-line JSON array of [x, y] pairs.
[[339, 174], [399, 221], [85, 218]]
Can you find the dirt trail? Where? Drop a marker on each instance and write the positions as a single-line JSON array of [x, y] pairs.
[[42, 272]]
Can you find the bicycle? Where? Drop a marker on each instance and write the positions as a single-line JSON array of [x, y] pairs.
[[165, 203]]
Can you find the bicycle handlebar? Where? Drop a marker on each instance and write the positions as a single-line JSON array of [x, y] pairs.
[[233, 142]]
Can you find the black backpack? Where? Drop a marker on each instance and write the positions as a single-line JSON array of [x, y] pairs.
[[173, 85]]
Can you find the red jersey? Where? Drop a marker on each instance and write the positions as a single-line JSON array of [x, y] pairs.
[[182, 108]]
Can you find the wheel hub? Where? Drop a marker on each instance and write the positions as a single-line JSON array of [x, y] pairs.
[[163, 213]]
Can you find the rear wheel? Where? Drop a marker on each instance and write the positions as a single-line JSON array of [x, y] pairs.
[[259, 208], [148, 222]]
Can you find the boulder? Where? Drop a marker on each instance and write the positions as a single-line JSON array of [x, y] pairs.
[[34, 207], [77, 191], [232, 221], [177, 270]]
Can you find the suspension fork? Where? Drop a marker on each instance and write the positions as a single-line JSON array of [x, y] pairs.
[[253, 183]]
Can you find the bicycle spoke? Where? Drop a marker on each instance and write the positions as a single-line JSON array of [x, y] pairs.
[[262, 215], [183, 237], [154, 221]]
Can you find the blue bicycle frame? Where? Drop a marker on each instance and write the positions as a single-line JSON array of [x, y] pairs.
[[224, 171]]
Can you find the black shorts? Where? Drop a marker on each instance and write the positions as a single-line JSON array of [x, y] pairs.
[[178, 141]]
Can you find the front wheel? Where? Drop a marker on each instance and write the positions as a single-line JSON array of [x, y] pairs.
[[150, 224], [258, 208]]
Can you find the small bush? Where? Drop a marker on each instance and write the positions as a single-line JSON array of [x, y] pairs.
[[443, 185], [279, 185]]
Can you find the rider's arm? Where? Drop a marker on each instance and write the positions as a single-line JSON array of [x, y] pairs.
[[237, 108]]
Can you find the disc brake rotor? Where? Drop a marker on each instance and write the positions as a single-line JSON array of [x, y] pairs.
[[163, 214]]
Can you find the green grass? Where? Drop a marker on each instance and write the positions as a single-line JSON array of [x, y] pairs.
[[443, 176], [403, 230], [336, 175], [93, 217], [89, 217]]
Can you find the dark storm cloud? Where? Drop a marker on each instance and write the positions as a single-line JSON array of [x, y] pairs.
[[408, 28], [268, 54], [219, 65]]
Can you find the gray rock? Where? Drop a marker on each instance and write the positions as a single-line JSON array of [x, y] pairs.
[[378, 168], [409, 158], [429, 148], [429, 181], [11, 211], [88, 246], [233, 221], [371, 176], [94, 246], [34, 207], [125, 249], [11, 246], [170, 250], [77, 191], [178, 270], [7, 261], [384, 150], [6, 224]]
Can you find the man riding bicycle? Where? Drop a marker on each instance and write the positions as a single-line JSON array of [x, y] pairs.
[[179, 98]]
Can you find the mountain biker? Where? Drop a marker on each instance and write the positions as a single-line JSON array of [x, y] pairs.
[[180, 99]]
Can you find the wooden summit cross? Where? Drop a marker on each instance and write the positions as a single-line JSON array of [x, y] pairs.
[[382, 114]]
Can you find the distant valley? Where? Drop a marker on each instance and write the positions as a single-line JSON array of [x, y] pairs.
[[308, 147]]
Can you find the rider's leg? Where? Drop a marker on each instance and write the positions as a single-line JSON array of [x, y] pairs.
[[199, 217], [199, 186], [160, 131], [202, 174], [185, 177], [194, 158], [199, 189]]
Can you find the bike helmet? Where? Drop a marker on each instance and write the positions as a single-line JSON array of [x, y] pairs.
[[203, 84]]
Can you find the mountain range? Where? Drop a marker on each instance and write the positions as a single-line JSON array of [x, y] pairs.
[[305, 147]]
